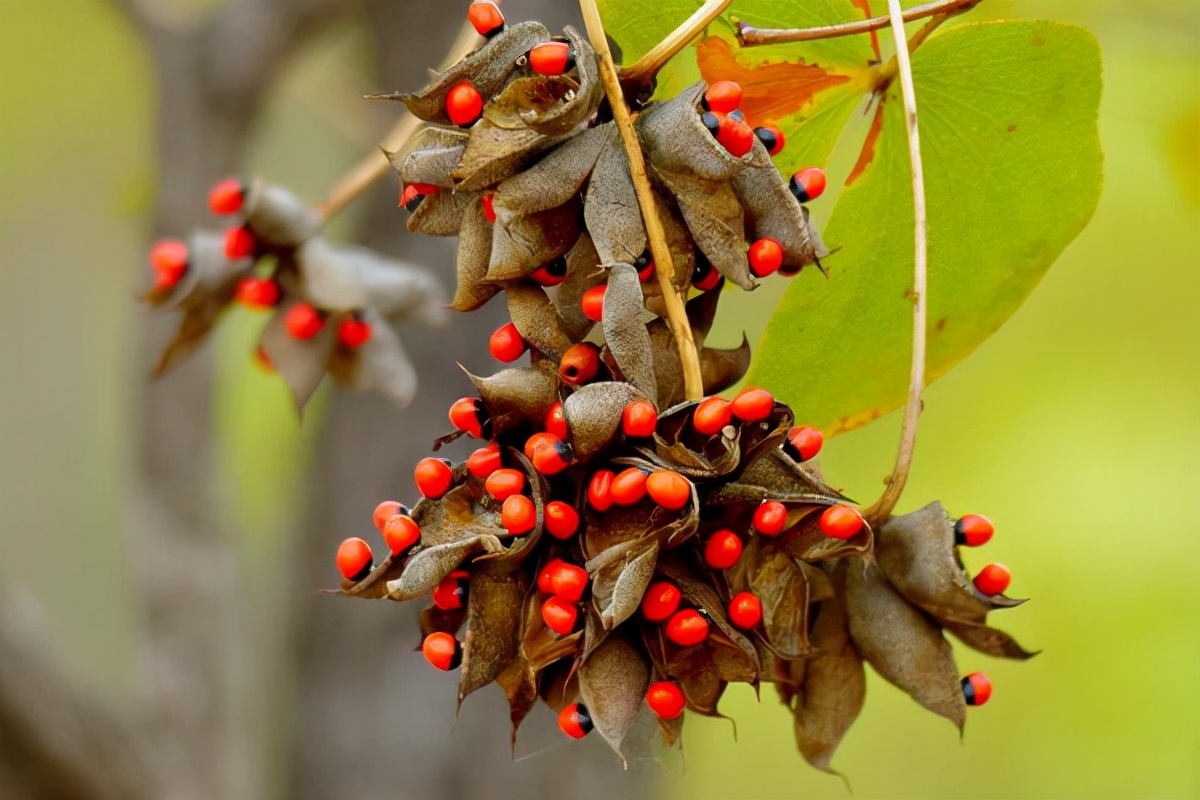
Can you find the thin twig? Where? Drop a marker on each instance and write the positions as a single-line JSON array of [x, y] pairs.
[[749, 36], [664, 267], [882, 509], [375, 164], [648, 65]]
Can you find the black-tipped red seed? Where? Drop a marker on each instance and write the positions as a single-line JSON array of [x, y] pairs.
[[977, 689], [575, 721], [552, 273], [808, 184], [973, 530]]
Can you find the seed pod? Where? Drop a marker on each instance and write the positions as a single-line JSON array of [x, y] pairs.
[[528, 242], [626, 336], [277, 216], [611, 209], [430, 156], [556, 178], [441, 213], [495, 154], [474, 256], [676, 141], [772, 212], [593, 415], [535, 319]]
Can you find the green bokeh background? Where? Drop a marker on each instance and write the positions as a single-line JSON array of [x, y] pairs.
[[1076, 428]]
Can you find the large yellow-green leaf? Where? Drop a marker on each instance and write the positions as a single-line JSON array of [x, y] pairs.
[[1008, 114]]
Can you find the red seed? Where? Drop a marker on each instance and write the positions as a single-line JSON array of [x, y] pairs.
[[239, 243], [504, 483], [599, 491], [257, 293], [771, 137], [973, 530], [168, 259], [669, 489], [569, 582], [353, 333], [552, 58], [976, 689], [770, 518], [752, 405], [575, 721], [592, 302], [665, 699], [561, 519], [543, 580], [559, 615], [552, 456], [808, 184], [226, 197], [506, 344], [303, 321], [400, 533], [645, 267], [556, 422], [765, 257], [722, 550], [736, 136], [385, 511], [414, 193], [745, 610], [639, 419], [807, 441], [442, 650], [451, 593], [464, 104], [468, 414], [484, 461], [840, 522], [711, 415], [518, 515], [993, 579], [660, 601], [579, 364], [485, 17], [687, 628], [723, 96], [536, 441], [489, 206], [354, 559], [628, 487], [433, 477], [705, 276], [552, 273]]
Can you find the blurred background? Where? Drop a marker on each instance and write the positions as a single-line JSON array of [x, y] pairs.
[[161, 543]]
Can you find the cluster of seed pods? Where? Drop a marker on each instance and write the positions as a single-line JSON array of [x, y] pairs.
[[612, 548]]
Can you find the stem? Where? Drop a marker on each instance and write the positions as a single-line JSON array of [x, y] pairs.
[[749, 36], [882, 509], [648, 65], [375, 164], [663, 265]]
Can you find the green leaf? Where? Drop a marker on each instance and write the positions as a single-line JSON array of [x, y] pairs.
[[1008, 117]]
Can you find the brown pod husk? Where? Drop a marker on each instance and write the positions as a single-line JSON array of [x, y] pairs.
[[474, 255], [584, 97], [535, 319], [676, 141], [773, 212], [430, 156], [720, 369], [716, 221], [338, 278], [539, 649], [527, 392], [380, 364], [612, 684], [593, 414], [624, 332], [583, 272], [277, 216], [988, 640], [554, 179], [611, 209], [620, 581], [301, 363], [778, 582], [426, 568], [491, 640], [496, 154], [526, 243], [441, 213]]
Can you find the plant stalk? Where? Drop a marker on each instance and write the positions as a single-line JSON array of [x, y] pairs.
[[750, 36], [648, 65]]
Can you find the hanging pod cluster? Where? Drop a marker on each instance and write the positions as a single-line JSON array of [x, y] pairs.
[[612, 548]]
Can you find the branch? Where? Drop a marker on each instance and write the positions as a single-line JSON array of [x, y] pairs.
[[663, 265], [882, 509], [749, 36], [648, 65]]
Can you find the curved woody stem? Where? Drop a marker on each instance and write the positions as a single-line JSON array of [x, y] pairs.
[[749, 36], [648, 65]]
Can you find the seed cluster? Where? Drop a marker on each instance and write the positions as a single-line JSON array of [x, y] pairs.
[[611, 548]]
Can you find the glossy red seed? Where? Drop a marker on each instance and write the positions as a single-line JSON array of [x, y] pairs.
[[592, 302], [765, 257], [628, 487], [705, 276], [639, 419], [752, 405], [354, 559], [551, 456], [645, 267], [385, 511], [808, 184], [257, 293], [735, 136], [665, 699], [552, 58], [745, 610], [579, 364], [485, 17], [551, 274], [840, 522], [599, 491], [977, 689], [442, 650], [973, 530], [504, 483], [687, 628], [723, 96], [467, 414], [770, 518], [771, 137], [401, 532], [669, 489], [559, 615], [561, 519], [464, 104], [484, 461], [807, 441], [226, 197], [660, 601], [168, 259], [722, 550], [518, 515], [451, 593], [239, 243], [569, 582], [433, 477], [506, 343], [543, 580], [353, 333], [711, 415], [993, 579], [303, 322], [574, 721], [536, 441], [556, 422], [489, 206]]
